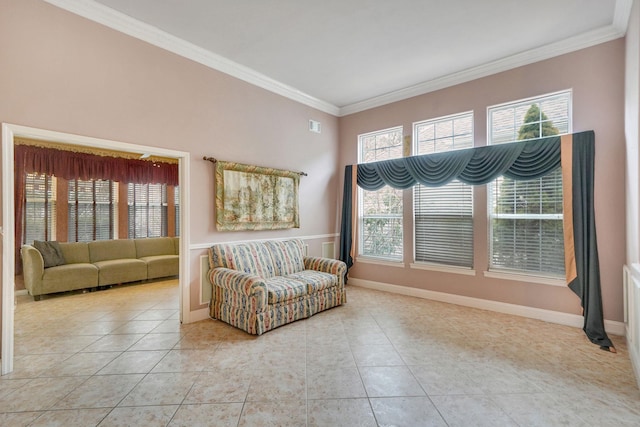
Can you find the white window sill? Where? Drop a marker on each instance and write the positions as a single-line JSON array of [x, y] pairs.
[[543, 280], [380, 261], [443, 268]]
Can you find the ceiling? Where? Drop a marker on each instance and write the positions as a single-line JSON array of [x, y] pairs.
[[344, 56]]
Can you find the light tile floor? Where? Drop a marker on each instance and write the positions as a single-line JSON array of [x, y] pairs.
[[121, 357]]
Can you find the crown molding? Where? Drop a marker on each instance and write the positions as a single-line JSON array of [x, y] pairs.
[[118, 21], [569, 45]]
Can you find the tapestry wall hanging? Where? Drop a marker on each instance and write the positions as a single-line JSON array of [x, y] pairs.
[[255, 198]]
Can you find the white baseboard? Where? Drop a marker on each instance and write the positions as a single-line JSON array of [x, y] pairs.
[[198, 315], [21, 292], [567, 319]]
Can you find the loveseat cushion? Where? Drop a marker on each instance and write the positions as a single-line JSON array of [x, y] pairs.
[[288, 256], [315, 280], [281, 289], [252, 258]]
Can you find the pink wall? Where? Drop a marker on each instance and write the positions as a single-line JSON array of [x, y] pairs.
[[596, 76], [64, 73]]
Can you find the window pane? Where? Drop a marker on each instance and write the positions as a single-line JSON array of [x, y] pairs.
[[92, 210], [381, 211], [526, 216], [443, 216], [40, 208], [147, 207]]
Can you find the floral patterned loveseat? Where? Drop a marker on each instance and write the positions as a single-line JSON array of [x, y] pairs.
[[259, 286]]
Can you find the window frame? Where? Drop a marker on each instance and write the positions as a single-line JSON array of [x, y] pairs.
[[433, 265], [75, 204], [379, 259], [509, 273]]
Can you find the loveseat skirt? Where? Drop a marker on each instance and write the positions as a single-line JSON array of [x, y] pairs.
[[229, 307]]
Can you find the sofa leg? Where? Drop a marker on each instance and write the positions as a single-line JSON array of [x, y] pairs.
[[37, 297]]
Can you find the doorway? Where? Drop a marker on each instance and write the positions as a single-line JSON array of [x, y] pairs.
[[7, 232]]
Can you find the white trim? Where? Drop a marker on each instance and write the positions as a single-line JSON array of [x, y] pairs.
[[621, 15], [529, 278], [9, 132], [201, 314], [125, 24], [443, 268], [567, 319], [8, 250], [204, 268], [379, 261], [631, 287], [582, 41], [200, 246]]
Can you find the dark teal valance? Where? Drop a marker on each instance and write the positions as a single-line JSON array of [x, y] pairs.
[[474, 166]]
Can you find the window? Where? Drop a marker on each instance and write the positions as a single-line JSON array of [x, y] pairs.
[[526, 216], [381, 211], [147, 207], [40, 208], [443, 216], [176, 205], [92, 207]]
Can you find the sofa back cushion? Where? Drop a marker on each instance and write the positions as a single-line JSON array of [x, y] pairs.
[[75, 252], [288, 256], [253, 258], [154, 246], [104, 250]]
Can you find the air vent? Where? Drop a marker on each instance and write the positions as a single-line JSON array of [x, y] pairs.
[[314, 126]]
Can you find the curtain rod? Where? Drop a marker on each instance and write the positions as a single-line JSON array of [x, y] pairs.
[[214, 160]]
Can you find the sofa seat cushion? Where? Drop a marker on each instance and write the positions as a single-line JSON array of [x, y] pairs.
[[162, 265], [315, 280], [68, 277], [281, 289], [115, 271]]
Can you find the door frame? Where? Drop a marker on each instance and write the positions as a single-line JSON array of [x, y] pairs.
[[7, 231]]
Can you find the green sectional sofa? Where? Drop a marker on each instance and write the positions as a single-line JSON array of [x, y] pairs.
[[86, 265], [259, 286]]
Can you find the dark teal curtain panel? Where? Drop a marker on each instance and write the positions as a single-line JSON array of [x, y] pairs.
[[587, 284], [477, 166], [346, 231]]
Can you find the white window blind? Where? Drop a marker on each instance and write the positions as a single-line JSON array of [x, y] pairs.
[[526, 216], [176, 204], [92, 210], [147, 208], [40, 209], [443, 216], [381, 211]]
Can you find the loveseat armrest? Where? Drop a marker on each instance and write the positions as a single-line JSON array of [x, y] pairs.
[[240, 282], [32, 269], [327, 265]]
